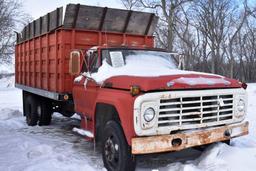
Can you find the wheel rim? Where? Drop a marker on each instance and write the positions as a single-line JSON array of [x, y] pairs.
[[112, 152]]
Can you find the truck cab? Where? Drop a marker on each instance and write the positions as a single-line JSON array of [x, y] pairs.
[[156, 107]]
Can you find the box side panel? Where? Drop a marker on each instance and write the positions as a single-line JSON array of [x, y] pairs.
[[43, 62], [37, 62]]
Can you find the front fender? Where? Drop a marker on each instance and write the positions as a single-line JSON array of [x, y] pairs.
[[123, 102]]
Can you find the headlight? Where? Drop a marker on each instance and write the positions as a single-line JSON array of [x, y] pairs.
[[241, 105], [149, 114], [240, 108]]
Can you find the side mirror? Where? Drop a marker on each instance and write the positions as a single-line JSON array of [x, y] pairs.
[[181, 62], [74, 62]]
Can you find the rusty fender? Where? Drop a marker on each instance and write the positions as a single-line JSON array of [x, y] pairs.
[[179, 141]]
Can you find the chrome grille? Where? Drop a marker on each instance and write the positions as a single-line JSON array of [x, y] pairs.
[[197, 110]]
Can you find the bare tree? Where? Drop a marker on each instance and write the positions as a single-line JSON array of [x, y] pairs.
[[167, 10], [129, 4], [245, 53], [11, 16], [216, 36], [212, 22], [188, 38], [237, 26]]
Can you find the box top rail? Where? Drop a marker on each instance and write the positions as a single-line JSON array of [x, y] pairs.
[[77, 16]]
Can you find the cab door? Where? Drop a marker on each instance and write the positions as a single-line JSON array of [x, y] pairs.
[[85, 88]]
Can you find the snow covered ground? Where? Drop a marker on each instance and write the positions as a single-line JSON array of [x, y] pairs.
[[57, 147], [6, 68]]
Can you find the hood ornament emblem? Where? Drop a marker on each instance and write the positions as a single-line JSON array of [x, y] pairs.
[[220, 102]]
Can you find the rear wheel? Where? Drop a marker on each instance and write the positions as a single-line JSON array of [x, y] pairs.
[[44, 110], [30, 110], [115, 150]]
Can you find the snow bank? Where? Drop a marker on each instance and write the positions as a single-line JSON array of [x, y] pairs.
[[7, 82], [11, 118], [220, 157], [143, 65], [10, 97], [54, 147], [6, 114], [6, 68], [30, 153]]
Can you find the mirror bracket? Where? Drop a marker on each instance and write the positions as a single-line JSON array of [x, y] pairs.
[[181, 62]]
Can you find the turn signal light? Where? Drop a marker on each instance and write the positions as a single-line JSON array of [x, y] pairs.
[[66, 97], [135, 90], [244, 85]]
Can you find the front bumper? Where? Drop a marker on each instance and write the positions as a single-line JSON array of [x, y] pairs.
[[179, 141]]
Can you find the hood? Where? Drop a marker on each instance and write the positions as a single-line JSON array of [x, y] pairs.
[[171, 82]]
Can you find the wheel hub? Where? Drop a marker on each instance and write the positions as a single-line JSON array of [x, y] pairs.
[[109, 150]]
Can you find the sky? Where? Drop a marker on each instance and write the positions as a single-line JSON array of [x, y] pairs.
[[37, 8]]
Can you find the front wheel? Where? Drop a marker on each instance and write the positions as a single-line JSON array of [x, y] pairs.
[[115, 150]]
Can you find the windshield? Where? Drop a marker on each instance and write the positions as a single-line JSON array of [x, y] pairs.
[[145, 58], [142, 63]]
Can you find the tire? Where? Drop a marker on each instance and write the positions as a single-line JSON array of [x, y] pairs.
[[116, 153], [67, 109], [67, 114], [44, 110], [30, 110]]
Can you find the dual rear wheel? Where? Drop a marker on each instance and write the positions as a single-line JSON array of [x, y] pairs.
[[38, 110], [116, 152]]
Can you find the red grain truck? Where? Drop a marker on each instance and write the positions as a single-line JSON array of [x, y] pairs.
[[101, 64]]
